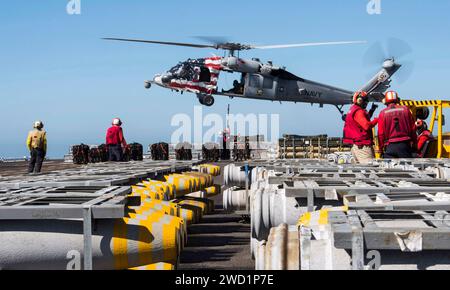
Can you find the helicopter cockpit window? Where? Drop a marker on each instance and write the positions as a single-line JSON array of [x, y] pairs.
[[191, 70], [182, 71], [255, 81], [175, 69], [205, 75], [186, 72]]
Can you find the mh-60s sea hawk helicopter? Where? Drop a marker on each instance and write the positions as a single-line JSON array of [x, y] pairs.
[[259, 80]]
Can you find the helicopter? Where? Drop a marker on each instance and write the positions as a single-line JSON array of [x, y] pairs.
[[258, 80]]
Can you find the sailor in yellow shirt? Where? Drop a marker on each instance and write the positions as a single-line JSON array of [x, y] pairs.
[[37, 144]]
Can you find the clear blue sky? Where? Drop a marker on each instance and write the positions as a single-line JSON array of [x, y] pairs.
[[54, 67]]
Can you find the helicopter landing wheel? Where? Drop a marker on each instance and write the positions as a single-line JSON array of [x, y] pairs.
[[208, 101]]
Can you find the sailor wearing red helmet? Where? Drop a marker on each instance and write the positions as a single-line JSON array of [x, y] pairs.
[[396, 129], [358, 128], [424, 135]]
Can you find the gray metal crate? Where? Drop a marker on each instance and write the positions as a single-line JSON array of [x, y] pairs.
[[63, 203]]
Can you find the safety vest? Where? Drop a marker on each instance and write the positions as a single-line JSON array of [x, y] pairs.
[[422, 138], [36, 139], [354, 134], [396, 124], [114, 136]]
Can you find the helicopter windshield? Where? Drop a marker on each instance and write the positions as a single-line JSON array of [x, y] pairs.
[[192, 70], [175, 69]]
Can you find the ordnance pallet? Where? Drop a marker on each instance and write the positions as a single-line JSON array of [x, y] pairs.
[[332, 187], [390, 230], [104, 175], [8, 194], [62, 203], [46, 206], [280, 178], [399, 201]]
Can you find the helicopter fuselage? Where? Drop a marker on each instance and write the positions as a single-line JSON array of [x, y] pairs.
[[257, 81]]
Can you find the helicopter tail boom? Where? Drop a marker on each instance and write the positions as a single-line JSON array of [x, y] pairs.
[[380, 83]]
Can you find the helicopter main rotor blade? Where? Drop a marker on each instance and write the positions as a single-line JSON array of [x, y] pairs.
[[213, 40], [234, 46], [307, 44], [164, 42]]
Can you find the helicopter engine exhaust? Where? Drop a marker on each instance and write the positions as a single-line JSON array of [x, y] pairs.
[[240, 65]]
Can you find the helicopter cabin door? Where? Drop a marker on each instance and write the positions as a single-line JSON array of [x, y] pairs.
[[260, 87]]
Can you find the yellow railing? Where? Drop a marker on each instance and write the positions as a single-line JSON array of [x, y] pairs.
[[437, 119]]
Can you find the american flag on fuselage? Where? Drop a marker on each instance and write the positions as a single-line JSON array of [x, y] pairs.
[[200, 76]]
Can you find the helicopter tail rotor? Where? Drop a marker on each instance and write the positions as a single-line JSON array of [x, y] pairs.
[[394, 50]]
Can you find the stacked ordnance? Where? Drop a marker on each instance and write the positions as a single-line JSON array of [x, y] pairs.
[[183, 151], [84, 154], [139, 227], [182, 198], [80, 154], [211, 152], [98, 154], [341, 157], [133, 151], [295, 146], [241, 148], [391, 214], [214, 170], [159, 151]]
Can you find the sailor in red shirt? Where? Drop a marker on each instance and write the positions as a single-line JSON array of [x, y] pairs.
[[396, 129], [358, 128], [115, 141], [423, 136]]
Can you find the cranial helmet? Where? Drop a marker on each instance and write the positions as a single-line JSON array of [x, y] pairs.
[[117, 122], [360, 97], [391, 97], [421, 125], [38, 125]]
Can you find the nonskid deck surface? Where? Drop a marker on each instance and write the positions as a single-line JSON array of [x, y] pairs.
[[221, 241], [21, 167]]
